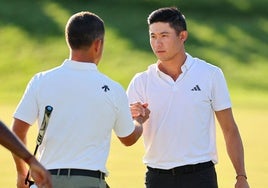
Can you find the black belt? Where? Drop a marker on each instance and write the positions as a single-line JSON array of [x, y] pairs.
[[78, 172], [187, 169]]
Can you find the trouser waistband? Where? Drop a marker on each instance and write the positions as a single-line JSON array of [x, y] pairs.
[[186, 169], [77, 172]]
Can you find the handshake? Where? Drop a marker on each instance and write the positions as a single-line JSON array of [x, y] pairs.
[[140, 112]]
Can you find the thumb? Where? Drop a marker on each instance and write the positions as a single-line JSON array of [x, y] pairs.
[[145, 105]]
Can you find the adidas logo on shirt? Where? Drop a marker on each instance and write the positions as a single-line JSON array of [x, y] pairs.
[[196, 88]]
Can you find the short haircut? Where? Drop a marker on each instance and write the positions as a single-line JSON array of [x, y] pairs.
[[82, 29], [170, 15]]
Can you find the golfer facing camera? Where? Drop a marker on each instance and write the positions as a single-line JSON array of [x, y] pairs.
[[184, 93], [87, 107]]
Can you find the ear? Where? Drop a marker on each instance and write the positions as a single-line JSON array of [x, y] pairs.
[[98, 45], [183, 36]]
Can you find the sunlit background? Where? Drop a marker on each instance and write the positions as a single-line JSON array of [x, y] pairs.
[[230, 34]]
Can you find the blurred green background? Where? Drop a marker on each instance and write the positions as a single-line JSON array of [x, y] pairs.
[[230, 34]]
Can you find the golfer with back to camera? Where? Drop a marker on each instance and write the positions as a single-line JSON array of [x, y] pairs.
[[87, 107]]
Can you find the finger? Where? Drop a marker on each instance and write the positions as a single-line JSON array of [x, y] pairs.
[[143, 112], [134, 104], [145, 105], [136, 111], [139, 111]]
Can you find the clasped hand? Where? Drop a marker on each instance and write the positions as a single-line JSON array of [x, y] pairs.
[[140, 112]]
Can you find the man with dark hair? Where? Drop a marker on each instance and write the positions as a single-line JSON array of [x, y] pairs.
[[40, 175], [183, 94], [87, 107]]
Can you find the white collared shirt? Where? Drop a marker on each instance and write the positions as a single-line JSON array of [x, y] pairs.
[[87, 107], [181, 126]]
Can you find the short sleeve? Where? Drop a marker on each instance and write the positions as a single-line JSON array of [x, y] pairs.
[[27, 109], [220, 94], [124, 125]]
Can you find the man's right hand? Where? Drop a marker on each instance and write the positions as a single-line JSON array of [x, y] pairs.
[[139, 112]]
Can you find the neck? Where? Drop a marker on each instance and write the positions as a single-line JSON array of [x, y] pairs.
[[82, 56], [172, 67]]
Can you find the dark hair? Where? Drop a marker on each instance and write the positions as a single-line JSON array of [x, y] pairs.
[[169, 15], [82, 29]]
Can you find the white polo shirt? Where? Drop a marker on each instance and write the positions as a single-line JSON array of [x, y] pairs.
[[181, 126], [87, 107]]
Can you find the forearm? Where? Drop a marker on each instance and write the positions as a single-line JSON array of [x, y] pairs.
[[134, 136], [236, 151], [20, 160], [13, 144], [138, 130], [21, 166], [234, 146], [20, 129]]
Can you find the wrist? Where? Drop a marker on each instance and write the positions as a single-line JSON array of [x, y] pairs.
[[241, 176], [138, 121], [29, 159]]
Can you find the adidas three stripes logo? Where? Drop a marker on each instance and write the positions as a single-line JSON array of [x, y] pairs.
[[196, 88]]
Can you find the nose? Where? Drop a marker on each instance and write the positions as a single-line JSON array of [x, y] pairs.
[[157, 43]]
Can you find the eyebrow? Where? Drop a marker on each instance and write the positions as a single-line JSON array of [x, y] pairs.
[[164, 32]]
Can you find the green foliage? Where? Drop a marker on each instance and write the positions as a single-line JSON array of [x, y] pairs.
[[230, 34]]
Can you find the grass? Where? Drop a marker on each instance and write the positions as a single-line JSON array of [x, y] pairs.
[[125, 163], [230, 34]]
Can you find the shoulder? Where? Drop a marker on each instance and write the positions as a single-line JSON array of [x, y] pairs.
[[43, 78], [142, 76], [205, 66], [46, 73]]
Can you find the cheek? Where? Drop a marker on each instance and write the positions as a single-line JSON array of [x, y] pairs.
[[175, 44], [153, 44]]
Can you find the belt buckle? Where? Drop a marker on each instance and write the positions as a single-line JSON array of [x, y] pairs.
[[102, 176], [59, 172]]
